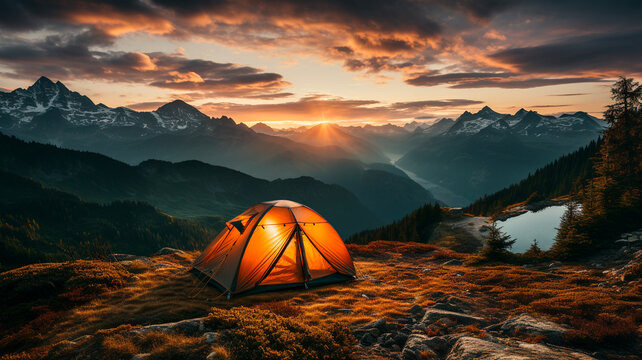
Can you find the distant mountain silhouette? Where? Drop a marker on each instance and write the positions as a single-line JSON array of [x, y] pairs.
[[186, 189]]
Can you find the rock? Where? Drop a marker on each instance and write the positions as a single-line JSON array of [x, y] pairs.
[[453, 262], [386, 340], [133, 279], [400, 338], [211, 337], [367, 339], [469, 348], [432, 315], [169, 251], [446, 306], [188, 327], [381, 324], [417, 347], [530, 326], [141, 356]]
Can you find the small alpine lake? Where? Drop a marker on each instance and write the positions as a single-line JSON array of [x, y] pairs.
[[540, 225]]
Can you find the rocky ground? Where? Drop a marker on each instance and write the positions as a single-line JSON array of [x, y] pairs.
[[410, 302]]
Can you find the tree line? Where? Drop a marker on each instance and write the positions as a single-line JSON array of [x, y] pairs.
[[416, 226]]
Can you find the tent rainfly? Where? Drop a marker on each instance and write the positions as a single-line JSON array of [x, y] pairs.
[[275, 245]]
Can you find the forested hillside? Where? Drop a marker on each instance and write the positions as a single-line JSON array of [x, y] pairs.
[[43, 225], [416, 226], [566, 175], [188, 189]]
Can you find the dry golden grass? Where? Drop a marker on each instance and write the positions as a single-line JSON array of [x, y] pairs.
[[446, 254], [391, 279]]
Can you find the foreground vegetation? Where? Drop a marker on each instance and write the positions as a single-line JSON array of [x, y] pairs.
[[110, 300]]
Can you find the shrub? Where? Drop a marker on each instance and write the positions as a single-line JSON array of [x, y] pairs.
[[605, 330], [385, 248], [281, 308], [446, 254], [36, 296], [261, 334]]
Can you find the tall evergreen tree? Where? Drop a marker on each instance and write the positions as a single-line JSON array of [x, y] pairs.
[[612, 200]]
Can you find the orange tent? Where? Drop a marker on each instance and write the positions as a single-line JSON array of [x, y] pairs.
[[275, 245]]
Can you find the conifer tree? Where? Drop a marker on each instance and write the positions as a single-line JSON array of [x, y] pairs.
[[612, 200], [497, 244]]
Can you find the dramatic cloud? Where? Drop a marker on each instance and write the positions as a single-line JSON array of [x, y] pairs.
[[595, 54], [70, 57], [325, 107], [434, 104], [456, 43], [571, 94], [489, 80]]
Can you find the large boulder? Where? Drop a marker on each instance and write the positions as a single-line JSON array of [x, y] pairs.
[[527, 325], [469, 348], [432, 315]]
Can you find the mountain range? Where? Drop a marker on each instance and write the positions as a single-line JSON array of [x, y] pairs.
[[190, 189], [458, 159], [479, 153], [48, 112], [483, 152]]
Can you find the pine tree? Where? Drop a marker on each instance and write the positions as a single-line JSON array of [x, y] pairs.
[[497, 244], [612, 199], [533, 251]]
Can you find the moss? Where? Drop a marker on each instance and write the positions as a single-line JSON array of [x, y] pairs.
[[261, 334]]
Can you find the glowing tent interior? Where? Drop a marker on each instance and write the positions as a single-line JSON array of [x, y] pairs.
[[275, 245]]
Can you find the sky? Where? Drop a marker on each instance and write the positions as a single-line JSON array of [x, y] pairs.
[[289, 63]]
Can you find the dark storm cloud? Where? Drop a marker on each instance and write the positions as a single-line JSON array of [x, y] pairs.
[[590, 54]]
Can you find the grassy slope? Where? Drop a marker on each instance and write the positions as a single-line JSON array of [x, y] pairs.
[[389, 285]]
